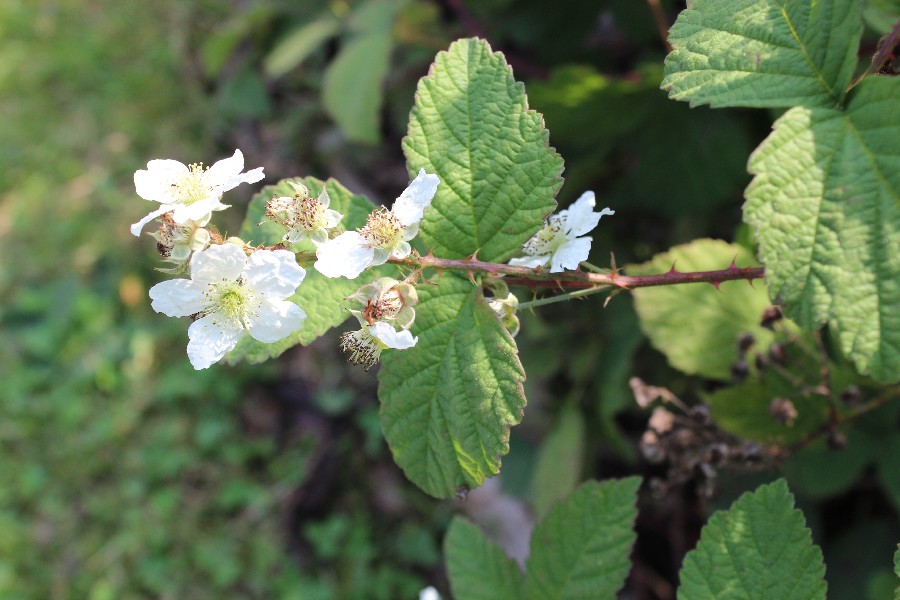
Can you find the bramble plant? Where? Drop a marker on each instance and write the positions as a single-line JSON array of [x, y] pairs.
[[428, 281]]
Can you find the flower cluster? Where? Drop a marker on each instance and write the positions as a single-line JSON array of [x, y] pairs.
[[303, 216], [385, 235], [386, 305], [235, 289], [558, 243]]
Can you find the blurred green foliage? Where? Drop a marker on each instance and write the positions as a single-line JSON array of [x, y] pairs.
[[126, 474]]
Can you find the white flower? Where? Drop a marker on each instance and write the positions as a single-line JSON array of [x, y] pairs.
[[304, 216], [175, 243], [385, 235], [557, 243], [429, 593], [192, 192], [230, 293], [387, 299], [365, 345]]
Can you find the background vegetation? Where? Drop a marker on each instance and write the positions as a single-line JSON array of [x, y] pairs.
[[128, 475]]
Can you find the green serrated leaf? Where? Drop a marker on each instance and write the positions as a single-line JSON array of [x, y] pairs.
[[471, 125], [352, 92], [763, 53], [580, 550], [758, 549], [697, 326], [447, 404], [321, 297], [825, 204], [559, 460], [478, 569]]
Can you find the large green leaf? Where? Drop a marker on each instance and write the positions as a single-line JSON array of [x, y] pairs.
[[697, 326], [759, 549], [478, 569], [471, 125], [580, 550], [825, 203], [321, 297], [763, 53], [448, 403]]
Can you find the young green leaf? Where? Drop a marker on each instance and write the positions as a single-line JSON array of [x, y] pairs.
[[697, 326], [477, 568], [352, 92], [825, 204], [321, 297], [472, 126], [758, 549], [763, 53], [580, 550], [448, 403]]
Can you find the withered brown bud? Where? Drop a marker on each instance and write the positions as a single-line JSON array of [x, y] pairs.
[[777, 353], [751, 452], [739, 370], [651, 449], [783, 411], [851, 396], [770, 316], [718, 453], [700, 414], [836, 441], [745, 341]]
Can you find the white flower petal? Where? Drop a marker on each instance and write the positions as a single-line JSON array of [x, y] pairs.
[[346, 255], [178, 297], [332, 218], [410, 231], [156, 182], [274, 273], [225, 171], [532, 262], [272, 321], [136, 228], [570, 255], [401, 250], [217, 263], [210, 340], [390, 337], [410, 207], [429, 593], [580, 217], [197, 211]]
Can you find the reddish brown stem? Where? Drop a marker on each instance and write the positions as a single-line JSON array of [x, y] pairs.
[[579, 279]]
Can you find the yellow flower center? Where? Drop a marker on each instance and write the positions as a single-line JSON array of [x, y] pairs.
[[382, 229]]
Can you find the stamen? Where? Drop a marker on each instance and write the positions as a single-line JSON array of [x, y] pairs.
[[382, 229]]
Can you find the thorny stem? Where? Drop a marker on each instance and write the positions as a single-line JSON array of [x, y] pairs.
[[533, 278]]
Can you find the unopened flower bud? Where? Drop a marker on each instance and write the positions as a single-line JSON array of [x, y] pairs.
[[783, 411], [770, 316], [745, 341], [851, 396]]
